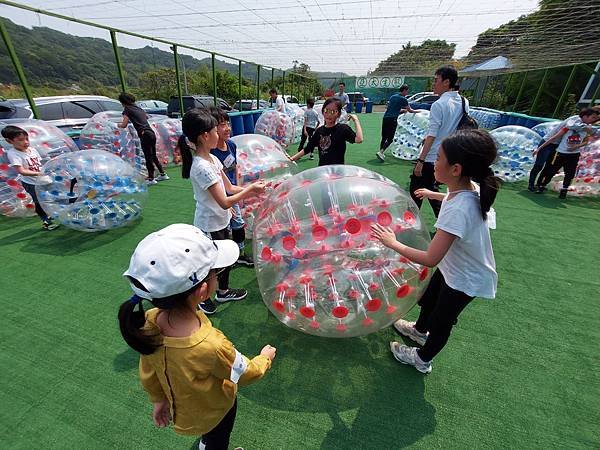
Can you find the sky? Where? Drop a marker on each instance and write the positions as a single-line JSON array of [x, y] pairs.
[[350, 36]]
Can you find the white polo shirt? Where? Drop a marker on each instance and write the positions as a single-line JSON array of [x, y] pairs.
[[444, 117]]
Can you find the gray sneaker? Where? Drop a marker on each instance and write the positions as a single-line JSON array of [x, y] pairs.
[[406, 328], [162, 177], [380, 156], [408, 355]]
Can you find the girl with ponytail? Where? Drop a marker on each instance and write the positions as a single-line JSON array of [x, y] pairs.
[[213, 192], [461, 247], [189, 369]]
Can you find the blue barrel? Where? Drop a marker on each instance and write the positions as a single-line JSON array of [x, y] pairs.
[[369, 107], [359, 106], [349, 108], [255, 116], [248, 123], [503, 120], [237, 124]]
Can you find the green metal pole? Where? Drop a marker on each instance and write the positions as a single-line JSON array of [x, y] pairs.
[[283, 87], [18, 68], [539, 92], [272, 78], [214, 77], [564, 92], [596, 92], [520, 91], [257, 85], [179, 92], [240, 84], [113, 38]]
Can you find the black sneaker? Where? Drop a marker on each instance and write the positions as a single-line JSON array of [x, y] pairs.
[[245, 260], [208, 307], [540, 189], [231, 295], [48, 225], [563, 193], [531, 188]]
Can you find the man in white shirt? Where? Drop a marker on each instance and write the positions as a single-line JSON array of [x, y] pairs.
[[277, 101], [445, 115], [342, 95]]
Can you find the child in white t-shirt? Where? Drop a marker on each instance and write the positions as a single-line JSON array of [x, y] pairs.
[[461, 247], [27, 162], [211, 187]]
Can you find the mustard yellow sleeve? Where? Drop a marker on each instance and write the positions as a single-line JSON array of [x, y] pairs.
[[229, 360], [150, 381]]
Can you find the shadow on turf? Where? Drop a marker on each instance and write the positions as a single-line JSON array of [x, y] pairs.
[[356, 381], [64, 241], [549, 199]]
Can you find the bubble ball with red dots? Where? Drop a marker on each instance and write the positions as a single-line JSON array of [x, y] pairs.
[[92, 190], [278, 126], [102, 133], [259, 158], [318, 268], [167, 131], [410, 132], [587, 175], [49, 141]]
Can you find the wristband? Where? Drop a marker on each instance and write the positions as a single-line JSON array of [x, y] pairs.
[[419, 160]]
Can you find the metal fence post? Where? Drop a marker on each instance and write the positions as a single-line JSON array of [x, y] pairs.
[[257, 86], [113, 38], [240, 84], [539, 92], [179, 93], [18, 68], [214, 77], [520, 91], [283, 86], [565, 91]]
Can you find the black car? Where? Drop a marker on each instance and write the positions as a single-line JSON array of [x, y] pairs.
[[194, 101], [424, 102]]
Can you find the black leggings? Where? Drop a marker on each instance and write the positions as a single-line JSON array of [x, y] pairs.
[[304, 138], [388, 130], [440, 307], [30, 189], [218, 437], [223, 277], [427, 181], [148, 141], [540, 162], [568, 161]]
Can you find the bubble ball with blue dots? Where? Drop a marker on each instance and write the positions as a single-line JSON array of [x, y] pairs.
[[91, 190]]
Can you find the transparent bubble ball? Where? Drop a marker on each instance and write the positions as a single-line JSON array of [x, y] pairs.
[[410, 132], [260, 158], [587, 176], [319, 270], [49, 141], [546, 129], [278, 126], [168, 131], [102, 133], [92, 190], [515, 152]]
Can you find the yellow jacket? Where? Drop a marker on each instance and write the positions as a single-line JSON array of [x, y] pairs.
[[197, 374]]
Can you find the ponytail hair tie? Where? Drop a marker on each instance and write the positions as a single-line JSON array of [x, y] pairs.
[[135, 299]]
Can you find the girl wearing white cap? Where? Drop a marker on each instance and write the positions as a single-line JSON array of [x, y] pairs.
[[189, 369]]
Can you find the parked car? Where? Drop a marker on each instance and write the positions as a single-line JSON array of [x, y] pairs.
[[357, 97], [153, 106], [424, 102], [70, 113], [194, 101], [416, 97], [290, 99], [249, 105]]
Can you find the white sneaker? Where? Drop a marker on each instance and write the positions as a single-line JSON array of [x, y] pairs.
[[406, 328], [408, 355], [151, 181], [380, 156], [162, 177]]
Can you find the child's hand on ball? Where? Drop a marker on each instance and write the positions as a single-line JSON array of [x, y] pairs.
[[269, 352]]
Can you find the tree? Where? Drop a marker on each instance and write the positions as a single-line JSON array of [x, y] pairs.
[[417, 59]]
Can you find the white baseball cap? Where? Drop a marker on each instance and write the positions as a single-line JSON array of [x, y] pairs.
[[172, 260]]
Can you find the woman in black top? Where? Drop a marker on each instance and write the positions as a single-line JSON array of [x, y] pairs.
[[139, 119], [331, 138]]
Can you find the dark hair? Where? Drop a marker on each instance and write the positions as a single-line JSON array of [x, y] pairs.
[[11, 132], [404, 87], [131, 322], [195, 122], [448, 73], [219, 114], [310, 102], [588, 112], [273, 91], [342, 83], [126, 98], [336, 102], [475, 151]]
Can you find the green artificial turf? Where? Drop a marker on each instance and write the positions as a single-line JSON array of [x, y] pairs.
[[518, 372]]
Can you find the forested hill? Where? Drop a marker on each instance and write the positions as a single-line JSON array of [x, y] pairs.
[[60, 60]]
